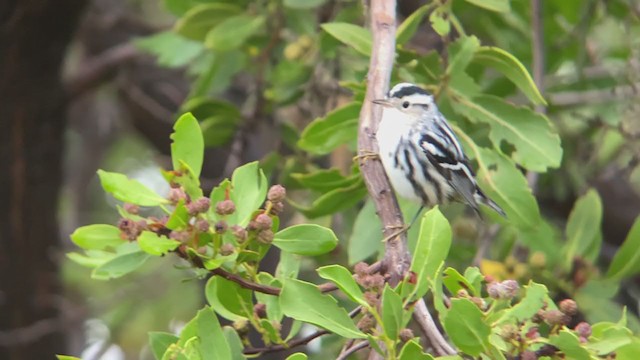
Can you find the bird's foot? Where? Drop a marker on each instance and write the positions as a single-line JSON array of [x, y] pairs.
[[365, 155], [398, 230]]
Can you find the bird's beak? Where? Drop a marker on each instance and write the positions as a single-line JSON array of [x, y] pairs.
[[383, 102]]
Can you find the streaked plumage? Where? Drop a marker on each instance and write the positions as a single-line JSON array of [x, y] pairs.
[[420, 153]]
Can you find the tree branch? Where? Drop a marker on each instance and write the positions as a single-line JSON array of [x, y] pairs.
[[422, 316], [353, 349], [395, 262], [537, 48]]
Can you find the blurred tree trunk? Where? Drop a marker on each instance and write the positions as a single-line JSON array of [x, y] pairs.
[[34, 35]]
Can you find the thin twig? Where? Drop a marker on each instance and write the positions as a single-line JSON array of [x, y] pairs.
[[353, 349], [428, 326], [537, 45]]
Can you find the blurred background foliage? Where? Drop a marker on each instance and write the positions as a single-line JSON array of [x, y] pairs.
[[257, 73]]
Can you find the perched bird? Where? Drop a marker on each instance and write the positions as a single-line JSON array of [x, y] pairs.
[[420, 153]]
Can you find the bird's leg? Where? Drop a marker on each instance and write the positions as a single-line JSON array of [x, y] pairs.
[[399, 230], [366, 155], [416, 216]]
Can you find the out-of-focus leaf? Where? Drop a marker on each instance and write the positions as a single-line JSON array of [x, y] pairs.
[[229, 299], [297, 356], [454, 281], [584, 236], [288, 266], [537, 147], [533, 300], [171, 49], [510, 67], [235, 343], [502, 6], [160, 341], [355, 36], [188, 144], [249, 189], [465, 325], [409, 26], [199, 20], [317, 309], [179, 218], [344, 280], [156, 245], [334, 201], [97, 236], [323, 135], [212, 343], [432, 248], [303, 4], [569, 344], [413, 351], [325, 180], [392, 309], [306, 239], [131, 191], [626, 262], [120, 265], [233, 32], [366, 237], [461, 53], [439, 19]]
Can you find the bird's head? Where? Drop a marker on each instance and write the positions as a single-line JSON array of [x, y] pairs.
[[409, 99]]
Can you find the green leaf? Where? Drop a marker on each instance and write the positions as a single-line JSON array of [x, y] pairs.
[[179, 218], [366, 237], [626, 262], [334, 201], [502, 6], [344, 280], [156, 245], [67, 357], [131, 191], [413, 351], [97, 236], [212, 344], [355, 36], [320, 310], [188, 144], [219, 119], [325, 180], [461, 53], [199, 20], [454, 281], [160, 341], [409, 26], [431, 249], [249, 191], [439, 19], [537, 147], [233, 32], [510, 67], [229, 299], [120, 265], [274, 313], [584, 236], [569, 344], [528, 306], [306, 239], [297, 356], [392, 313], [170, 49], [303, 4], [323, 135], [235, 343], [464, 323], [92, 259], [288, 266]]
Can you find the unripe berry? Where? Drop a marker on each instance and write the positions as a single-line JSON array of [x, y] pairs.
[[240, 233], [199, 206], [361, 268], [263, 222], [182, 236], [406, 334], [225, 207], [265, 237], [227, 249], [260, 310], [583, 329], [276, 193], [277, 208], [221, 227], [176, 194], [366, 324], [568, 307], [371, 298], [555, 317], [131, 208], [202, 225]]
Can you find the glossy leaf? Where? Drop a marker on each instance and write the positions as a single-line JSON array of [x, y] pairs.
[[354, 36], [249, 191], [212, 344], [97, 236], [366, 237], [344, 280], [120, 265], [461, 53], [325, 180], [626, 262], [413, 351], [199, 20], [409, 26], [187, 145], [131, 191], [169, 48], [156, 245], [179, 218], [229, 299], [502, 6], [584, 236], [235, 343], [531, 302], [439, 19], [510, 67], [334, 201], [159, 342], [297, 356], [392, 313], [306, 239], [431, 249], [317, 309], [464, 323], [323, 135], [454, 281], [569, 344], [233, 32]]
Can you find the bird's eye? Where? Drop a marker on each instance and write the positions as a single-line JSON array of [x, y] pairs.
[[405, 104]]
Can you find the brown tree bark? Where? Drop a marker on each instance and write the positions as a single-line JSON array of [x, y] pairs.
[[34, 35]]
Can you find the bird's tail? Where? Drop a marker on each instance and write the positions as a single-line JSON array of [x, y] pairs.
[[483, 199]]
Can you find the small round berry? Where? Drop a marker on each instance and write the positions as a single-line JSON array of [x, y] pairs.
[[276, 193], [221, 227], [202, 225], [555, 317], [277, 208], [225, 207], [583, 329], [371, 298], [406, 334], [260, 310], [263, 222], [176, 194], [265, 237], [182, 236], [227, 249], [131, 208], [366, 324], [568, 307], [240, 233], [361, 268], [199, 206]]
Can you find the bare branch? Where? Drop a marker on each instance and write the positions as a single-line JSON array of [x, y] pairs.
[[436, 339], [537, 45], [353, 349]]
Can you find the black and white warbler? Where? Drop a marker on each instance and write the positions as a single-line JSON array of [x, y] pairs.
[[420, 153]]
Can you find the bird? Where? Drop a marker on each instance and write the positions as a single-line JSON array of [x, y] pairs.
[[421, 155]]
